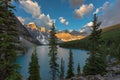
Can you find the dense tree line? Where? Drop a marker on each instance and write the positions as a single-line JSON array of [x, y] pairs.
[[8, 43]]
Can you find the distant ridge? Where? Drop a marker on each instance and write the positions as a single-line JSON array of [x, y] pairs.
[[109, 35], [117, 26]]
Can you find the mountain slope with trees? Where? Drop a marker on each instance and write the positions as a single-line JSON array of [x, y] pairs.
[[109, 35]]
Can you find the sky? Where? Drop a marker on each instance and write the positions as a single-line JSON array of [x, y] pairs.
[[68, 14]]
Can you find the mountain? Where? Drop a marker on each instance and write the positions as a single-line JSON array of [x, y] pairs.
[[32, 25], [23, 32], [42, 29], [41, 35], [70, 35], [76, 33], [109, 34]]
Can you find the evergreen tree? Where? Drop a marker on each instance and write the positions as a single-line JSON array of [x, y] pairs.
[[62, 70], [78, 70], [8, 42], [34, 68], [118, 53], [70, 65], [53, 53], [95, 64]]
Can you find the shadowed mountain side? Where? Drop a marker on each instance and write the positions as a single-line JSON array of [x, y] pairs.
[[23, 32]]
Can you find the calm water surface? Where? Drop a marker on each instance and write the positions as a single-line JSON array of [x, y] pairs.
[[79, 56]]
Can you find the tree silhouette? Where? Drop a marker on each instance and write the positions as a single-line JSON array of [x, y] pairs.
[[96, 63], [34, 68], [62, 69], [78, 70], [70, 65], [53, 53], [8, 42]]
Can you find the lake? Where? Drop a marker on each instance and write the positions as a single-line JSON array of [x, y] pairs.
[[79, 56]]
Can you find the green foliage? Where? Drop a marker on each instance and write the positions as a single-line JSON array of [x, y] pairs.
[[78, 70], [53, 53], [8, 42], [77, 44], [118, 54], [96, 63], [109, 35], [11, 70], [62, 69], [117, 72], [70, 65], [34, 68]]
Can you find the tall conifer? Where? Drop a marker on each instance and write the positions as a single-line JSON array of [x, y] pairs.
[[96, 63], [53, 54], [70, 72], [78, 70], [8, 42], [34, 68], [62, 69]]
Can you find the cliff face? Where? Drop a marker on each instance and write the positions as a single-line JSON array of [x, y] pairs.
[[32, 26], [40, 35], [70, 36], [23, 32]]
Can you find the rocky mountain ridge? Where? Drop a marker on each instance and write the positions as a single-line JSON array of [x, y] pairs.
[[42, 34]]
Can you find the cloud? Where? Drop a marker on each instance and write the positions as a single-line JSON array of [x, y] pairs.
[[90, 24], [63, 21], [111, 15], [30, 7], [44, 20], [83, 10], [105, 5], [66, 23], [82, 30], [34, 9], [75, 3], [87, 28], [21, 19]]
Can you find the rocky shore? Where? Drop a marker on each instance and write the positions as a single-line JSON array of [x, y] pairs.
[[113, 73]]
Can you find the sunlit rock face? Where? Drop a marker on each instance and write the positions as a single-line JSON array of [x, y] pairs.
[[70, 35], [42, 29], [40, 34], [32, 25]]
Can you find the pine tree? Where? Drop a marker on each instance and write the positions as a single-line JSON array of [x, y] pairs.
[[53, 54], [34, 68], [95, 64], [78, 70], [62, 69], [70, 65], [118, 53], [8, 42]]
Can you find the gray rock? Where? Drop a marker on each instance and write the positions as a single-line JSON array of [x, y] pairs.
[[82, 78], [78, 78], [98, 77]]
